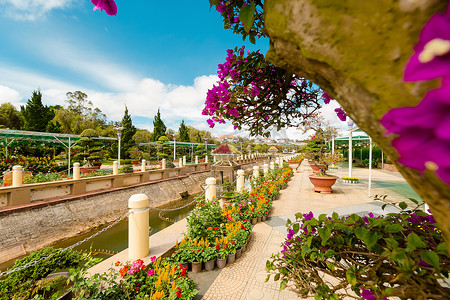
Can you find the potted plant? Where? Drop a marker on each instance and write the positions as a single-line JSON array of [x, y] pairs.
[[222, 256], [317, 152], [126, 169], [227, 191], [209, 258], [89, 151]]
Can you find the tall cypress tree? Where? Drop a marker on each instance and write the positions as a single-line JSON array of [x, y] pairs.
[[127, 134], [183, 132], [159, 129], [36, 115]]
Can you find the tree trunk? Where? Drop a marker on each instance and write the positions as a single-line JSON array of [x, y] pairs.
[[357, 51]]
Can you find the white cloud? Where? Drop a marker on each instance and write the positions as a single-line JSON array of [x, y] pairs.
[[32, 10], [9, 95]]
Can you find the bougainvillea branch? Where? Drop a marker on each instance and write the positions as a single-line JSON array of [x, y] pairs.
[[423, 139], [109, 6], [255, 93]]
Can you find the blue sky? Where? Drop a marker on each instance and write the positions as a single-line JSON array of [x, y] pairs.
[[153, 54]]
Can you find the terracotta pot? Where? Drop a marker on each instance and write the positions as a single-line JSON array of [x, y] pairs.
[[231, 258], [221, 263], [323, 184], [209, 265], [238, 253], [263, 218], [254, 221], [86, 170], [196, 266], [259, 219]]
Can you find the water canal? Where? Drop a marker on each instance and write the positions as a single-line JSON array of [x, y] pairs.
[[115, 239]]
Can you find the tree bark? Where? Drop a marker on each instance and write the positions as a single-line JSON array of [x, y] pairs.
[[357, 50]]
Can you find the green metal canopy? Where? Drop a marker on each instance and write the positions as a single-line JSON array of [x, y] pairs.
[[355, 140], [67, 140]]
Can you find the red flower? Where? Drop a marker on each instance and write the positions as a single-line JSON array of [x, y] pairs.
[[117, 263], [184, 271], [178, 293]]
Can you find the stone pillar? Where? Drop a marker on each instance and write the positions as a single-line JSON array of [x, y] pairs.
[[76, 171], [115, 167], [214, 157], [138, 229], [240, 181], [17, 176], [163, 163], [143, 166], [255, 172], [196, 159], [266, 169], [184, 160], [272, 165], [180, 162], [211, 189]]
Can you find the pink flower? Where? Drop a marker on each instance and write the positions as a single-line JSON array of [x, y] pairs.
[[109, 6], [153, 258], [151, 272]]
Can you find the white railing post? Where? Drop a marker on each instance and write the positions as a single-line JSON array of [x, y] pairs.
[[184, 160], [240, 181], [115, 168], [206, 159], [211, 189], [143, 166], [163, 163], [17, 176], [266, 169], [76, 171], [255, 172], [180, 162], [138, 228], [196, 159]]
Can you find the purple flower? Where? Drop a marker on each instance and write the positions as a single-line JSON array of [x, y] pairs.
[[109, 6], [424, 132], [367, 294], [432, 57], [341, 114], [326, 98], [290, 234], [308, 216]]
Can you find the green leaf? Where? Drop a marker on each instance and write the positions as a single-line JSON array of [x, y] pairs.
[[431, 258], [414, 200], [282, 285], [214, 2], [351, 277], [415, 242], [370, 239], [298, 215], [305, 250], [442, 247], [393, 228], [267, 278], [403, 205], [309, 241], [288, 222], [325, 234], [313, 256], [296, 227], [253, 41], [340, 240], [388, 291], [360, 233], [323, 218], [391, 242], [329, 253], [335, 215], [277, 277], [331, 266], [247, 16], [313, 222]]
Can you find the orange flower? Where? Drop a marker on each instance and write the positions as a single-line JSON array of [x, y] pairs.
[[209, 228], [117, 263]]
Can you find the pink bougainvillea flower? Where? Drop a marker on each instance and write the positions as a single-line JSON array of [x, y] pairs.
[[326, 98], [341, 114], [432, 57], [367, 294], [109, 6], [424, 132]]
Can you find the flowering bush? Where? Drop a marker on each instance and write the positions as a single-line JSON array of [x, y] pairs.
[[206, 214], [160, 279], [402, 255], [33, 164]]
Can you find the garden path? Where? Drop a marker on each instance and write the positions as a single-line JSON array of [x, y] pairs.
[[245, 279]]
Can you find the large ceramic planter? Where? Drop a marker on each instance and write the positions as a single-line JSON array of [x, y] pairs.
[[196, 266], [221, 263], [209, 265], [323, 184]]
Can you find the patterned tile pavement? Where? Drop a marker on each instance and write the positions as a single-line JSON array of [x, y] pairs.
[[245, 279]]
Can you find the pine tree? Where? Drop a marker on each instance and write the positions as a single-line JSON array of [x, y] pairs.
[[183, 133], [36, 115], [127, 134], [159, 129]]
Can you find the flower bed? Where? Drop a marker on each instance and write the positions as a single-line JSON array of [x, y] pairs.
[[347, 179], [221, 233], [33, 164]]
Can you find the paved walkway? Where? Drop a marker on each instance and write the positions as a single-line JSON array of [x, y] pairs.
[[245, 279]]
